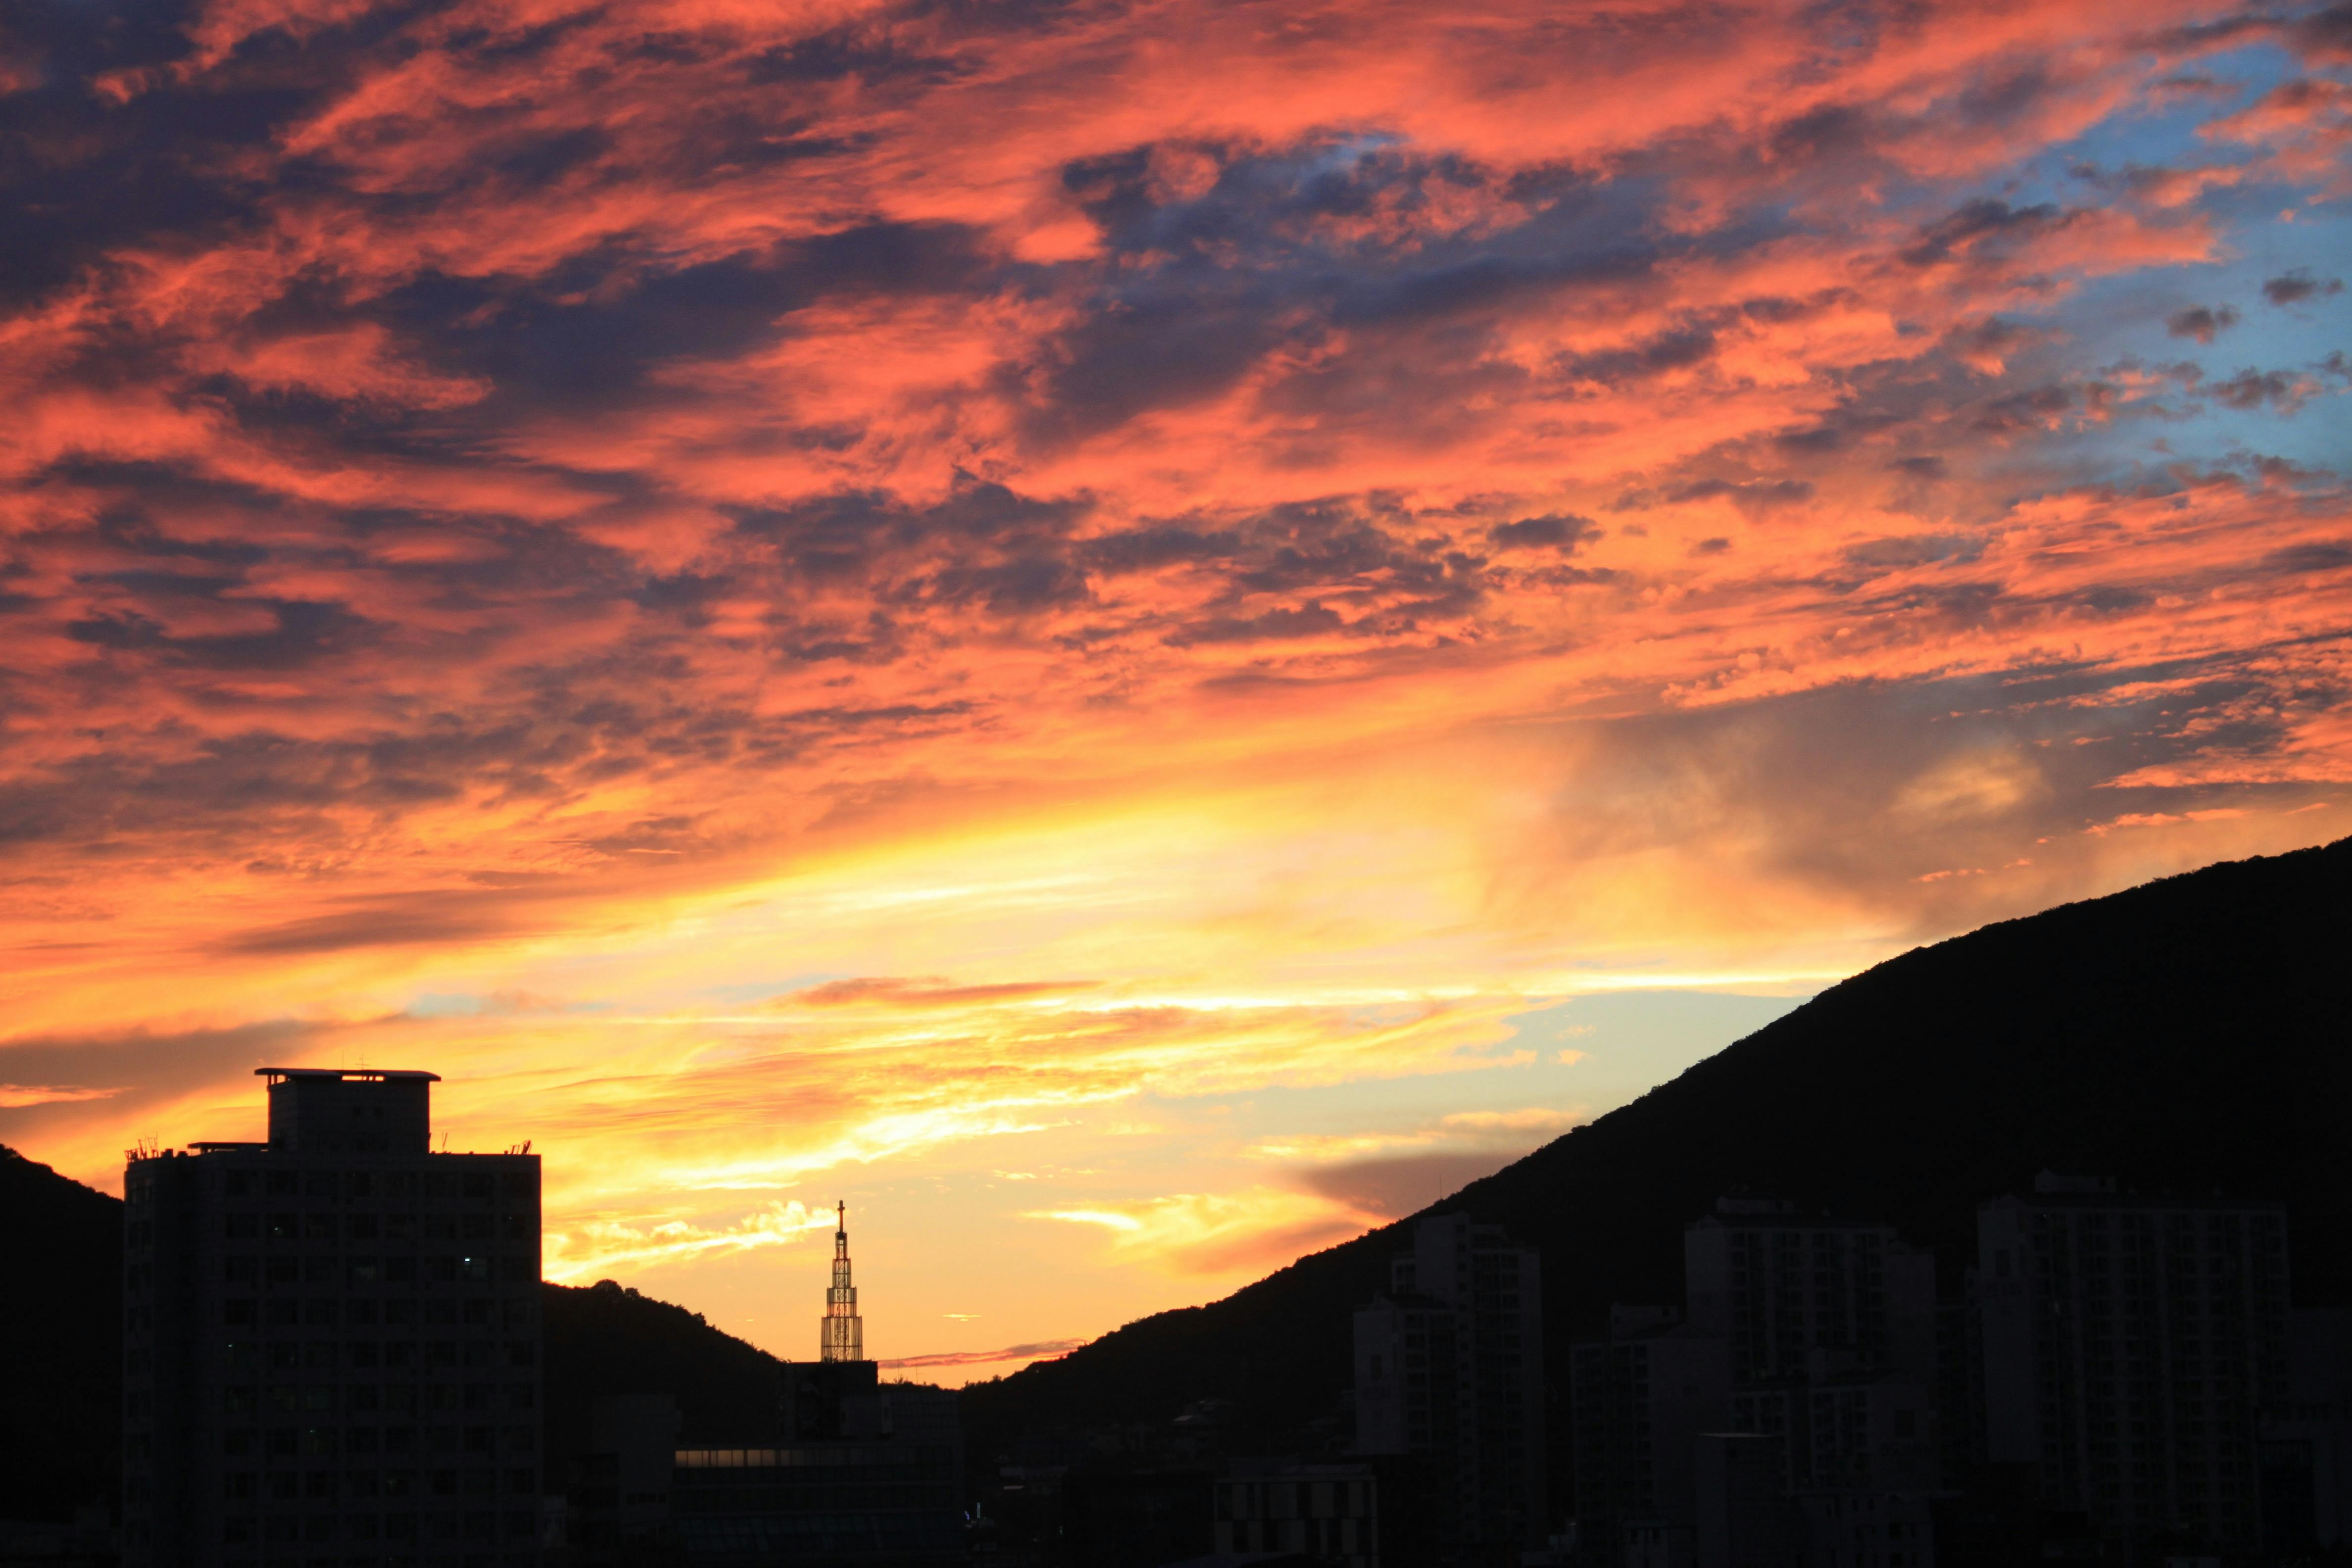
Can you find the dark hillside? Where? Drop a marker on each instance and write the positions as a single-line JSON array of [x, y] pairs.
[[2188, 1036], [60, 1322], [602, 1340]]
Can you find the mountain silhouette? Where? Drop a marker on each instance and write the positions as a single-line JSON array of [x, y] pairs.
[[62, 1322], [2190, 1036]]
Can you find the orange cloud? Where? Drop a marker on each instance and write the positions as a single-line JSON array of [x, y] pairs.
[[922, 582]]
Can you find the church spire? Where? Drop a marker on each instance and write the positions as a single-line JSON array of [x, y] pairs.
[[843, 1331]]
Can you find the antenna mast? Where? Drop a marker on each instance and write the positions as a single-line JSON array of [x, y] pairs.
[[843, 1331]]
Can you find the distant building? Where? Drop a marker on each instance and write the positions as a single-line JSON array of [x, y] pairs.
[[2130, 1346], [1330, 1513], [2308, 1439], [619, 1499], [1789, 1293], [331, 1341], [863, 1474], [1449, 1366], [1831, 1329], [877, 1504], [1744, 1517], [1639, 1402], [1804, 1344], [841, 1333], [1136, 1516]]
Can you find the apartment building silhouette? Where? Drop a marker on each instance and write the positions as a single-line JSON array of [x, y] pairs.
[[331, 1341]]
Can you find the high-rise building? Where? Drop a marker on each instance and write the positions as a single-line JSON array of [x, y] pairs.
[[2130, 1346], [1449, 1365], [331, 1341], [841, 1332], [1639, 1403], [1830, 1328], [1796, 1296]]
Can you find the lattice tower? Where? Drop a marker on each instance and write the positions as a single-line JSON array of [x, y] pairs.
[[843, 1331]]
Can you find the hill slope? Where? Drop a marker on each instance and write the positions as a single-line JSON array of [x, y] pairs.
[[2189, 1036], [60, 1320], [602, 1340]]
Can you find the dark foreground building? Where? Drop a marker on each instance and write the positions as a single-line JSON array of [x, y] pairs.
[[332, 1341]]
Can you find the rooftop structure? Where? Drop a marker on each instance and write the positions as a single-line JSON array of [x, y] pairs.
[[842, 1333]]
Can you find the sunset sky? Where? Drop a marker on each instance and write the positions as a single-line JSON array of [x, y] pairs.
[[1134, 633]]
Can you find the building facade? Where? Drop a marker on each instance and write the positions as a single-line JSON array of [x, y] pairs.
[[2130, 1347], [1330, 1513], [1449, 1366], [1639, 1403], [1796, 1297], [332, 1341]]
